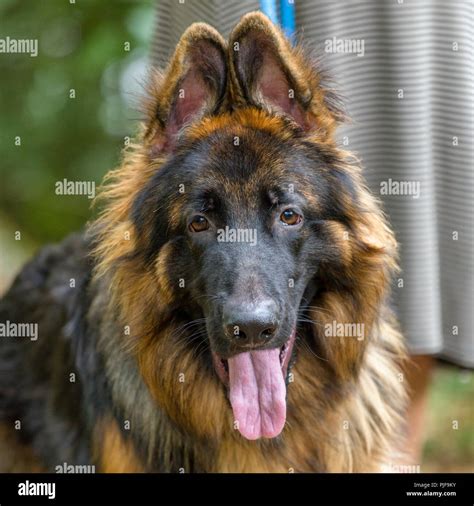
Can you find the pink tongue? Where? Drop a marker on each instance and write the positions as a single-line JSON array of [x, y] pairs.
[[258, 393]]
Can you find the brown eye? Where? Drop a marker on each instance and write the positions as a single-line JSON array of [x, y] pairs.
[[290, 217], [198, 224]]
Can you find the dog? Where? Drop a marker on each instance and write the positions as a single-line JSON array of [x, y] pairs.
[[229, 308]]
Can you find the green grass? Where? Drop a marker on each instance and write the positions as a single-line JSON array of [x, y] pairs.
[[451, 399]]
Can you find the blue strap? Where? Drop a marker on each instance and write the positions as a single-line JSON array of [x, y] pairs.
[[269, 9], [288, 17], [287, 8]]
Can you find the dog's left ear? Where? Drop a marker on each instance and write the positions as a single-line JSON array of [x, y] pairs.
[[266, 71]]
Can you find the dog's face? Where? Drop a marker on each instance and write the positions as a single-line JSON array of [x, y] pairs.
[[251, 215], [255, 222], [249, 230]]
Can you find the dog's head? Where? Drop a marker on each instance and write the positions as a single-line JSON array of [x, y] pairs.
[[248, 219]]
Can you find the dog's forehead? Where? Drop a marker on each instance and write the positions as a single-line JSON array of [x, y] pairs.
[[249, 158], [242, 177], [241, 161]]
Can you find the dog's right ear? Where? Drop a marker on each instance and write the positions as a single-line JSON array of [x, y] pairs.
[[193, 86]]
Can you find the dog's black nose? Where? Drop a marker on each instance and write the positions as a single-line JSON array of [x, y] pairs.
[[251, 326]]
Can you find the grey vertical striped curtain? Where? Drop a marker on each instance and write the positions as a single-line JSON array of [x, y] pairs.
[[410, 97]]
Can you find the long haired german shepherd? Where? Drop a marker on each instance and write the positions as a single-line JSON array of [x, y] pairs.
[[229, 309]]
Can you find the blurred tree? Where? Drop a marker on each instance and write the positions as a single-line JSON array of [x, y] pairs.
[[71, 106]]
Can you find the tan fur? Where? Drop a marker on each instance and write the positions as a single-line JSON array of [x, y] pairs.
[[114, 454], [16, 456]]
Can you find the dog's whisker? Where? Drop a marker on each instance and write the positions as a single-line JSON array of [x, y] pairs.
[[308, 320], [314, 308], [187, 326], [188, 341], [208, 296], [308, 347]]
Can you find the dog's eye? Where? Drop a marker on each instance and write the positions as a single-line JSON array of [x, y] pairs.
[[198, 224], [290, 217]]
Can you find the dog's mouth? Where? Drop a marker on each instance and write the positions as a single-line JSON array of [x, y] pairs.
[[256, 382]]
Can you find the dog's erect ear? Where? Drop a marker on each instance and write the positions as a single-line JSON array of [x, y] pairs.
[[266, 71], [193, 85]]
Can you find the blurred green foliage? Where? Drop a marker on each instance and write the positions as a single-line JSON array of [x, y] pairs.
[[69, 105], [449, 443]]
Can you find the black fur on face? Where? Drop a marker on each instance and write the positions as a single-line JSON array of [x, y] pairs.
[[246, 224]]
